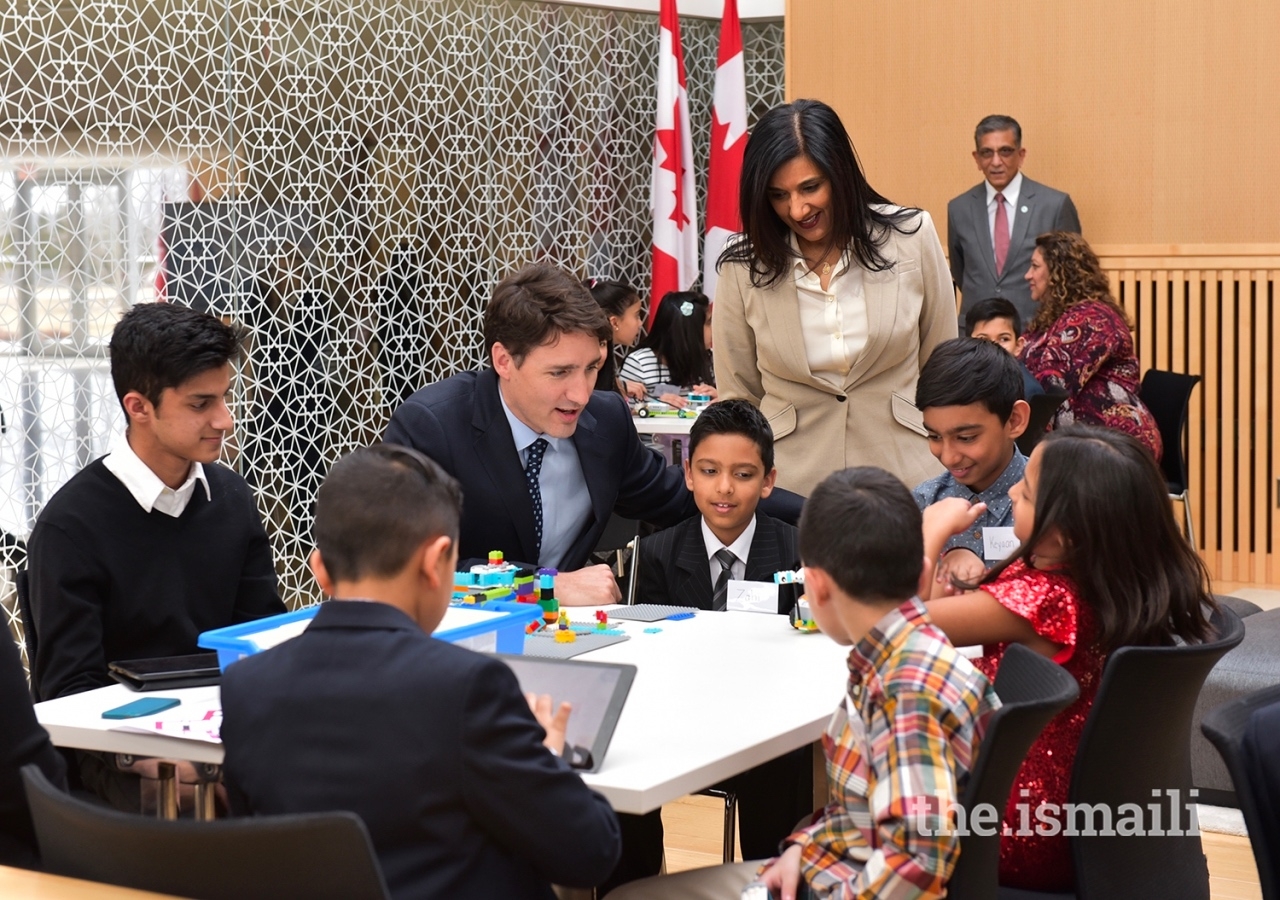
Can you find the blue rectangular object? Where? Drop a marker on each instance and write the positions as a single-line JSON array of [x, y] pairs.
[[235, 642]]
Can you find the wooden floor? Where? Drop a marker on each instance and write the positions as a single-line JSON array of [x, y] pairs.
[[694, 826]]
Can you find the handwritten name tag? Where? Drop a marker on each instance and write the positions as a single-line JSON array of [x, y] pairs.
[[752, 596], [997, 543]]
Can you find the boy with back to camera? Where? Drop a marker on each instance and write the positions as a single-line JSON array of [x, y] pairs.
[[729, 471], [900, 748], [155, 542], [970, 396], [455, 773], [997, 320]]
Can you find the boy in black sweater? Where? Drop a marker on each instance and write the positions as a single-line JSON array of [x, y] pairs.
[[154, 543]]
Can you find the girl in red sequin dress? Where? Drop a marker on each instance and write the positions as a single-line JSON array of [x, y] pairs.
[[1102, 565]]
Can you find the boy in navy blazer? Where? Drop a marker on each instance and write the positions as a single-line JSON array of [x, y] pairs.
[[729, 471], [455, 773]]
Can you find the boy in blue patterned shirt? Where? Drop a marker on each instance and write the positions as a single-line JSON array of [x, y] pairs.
[[970, 394]]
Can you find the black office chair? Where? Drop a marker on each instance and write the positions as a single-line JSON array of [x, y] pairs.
[[1225, 726], [1136, 747], [316, 855], [1043, 406], [1032, 690], [1167, 395]]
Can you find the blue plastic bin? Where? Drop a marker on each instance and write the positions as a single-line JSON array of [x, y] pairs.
[[502, 634]]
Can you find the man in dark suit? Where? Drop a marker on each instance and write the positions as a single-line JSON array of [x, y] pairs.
[[543, 460], [729, 471], [992, 228], [456, 775]]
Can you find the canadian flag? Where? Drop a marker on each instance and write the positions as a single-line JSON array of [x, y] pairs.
[[675, 238], [728, 141]]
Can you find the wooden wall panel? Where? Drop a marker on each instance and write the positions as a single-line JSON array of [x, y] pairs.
[[1207, 311], [1159, 118]]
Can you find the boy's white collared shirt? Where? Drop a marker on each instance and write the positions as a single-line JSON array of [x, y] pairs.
[[146, 486], [740, 548]]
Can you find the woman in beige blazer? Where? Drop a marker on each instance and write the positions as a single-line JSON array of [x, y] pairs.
[[828, 304]]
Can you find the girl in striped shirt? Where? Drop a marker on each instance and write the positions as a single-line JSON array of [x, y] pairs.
[[676, 353]]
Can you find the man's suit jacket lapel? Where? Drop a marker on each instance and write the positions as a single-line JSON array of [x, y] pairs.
[[1022, 219], [495, 450], [692, 585]]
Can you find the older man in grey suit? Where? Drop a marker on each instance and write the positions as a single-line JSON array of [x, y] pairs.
[[992, 228]]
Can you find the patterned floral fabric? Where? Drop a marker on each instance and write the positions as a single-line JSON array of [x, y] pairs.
[[1088, 352], [1049, 601], [899, 749]]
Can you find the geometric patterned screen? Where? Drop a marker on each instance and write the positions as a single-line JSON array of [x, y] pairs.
[[347, 177]]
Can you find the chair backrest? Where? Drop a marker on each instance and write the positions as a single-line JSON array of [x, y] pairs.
[[618, 535], [1136, 749], [1032, 690], [323, 855], [1043, 406], [1167, 395], [1225, 726]]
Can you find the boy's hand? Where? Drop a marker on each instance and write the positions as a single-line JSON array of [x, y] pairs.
[[950, 516], [783, 877], [592, 586], [555, 726], [960, 564]]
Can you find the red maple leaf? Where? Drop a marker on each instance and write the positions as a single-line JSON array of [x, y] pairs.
[[669, 142]]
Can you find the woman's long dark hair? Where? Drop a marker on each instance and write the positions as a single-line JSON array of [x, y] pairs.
[[1103, 492], [807, 128], [677, 338]]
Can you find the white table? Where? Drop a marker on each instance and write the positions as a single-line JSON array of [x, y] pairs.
[[663, 424], [714, 696]]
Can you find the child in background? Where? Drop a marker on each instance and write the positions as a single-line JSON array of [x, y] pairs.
[[970, 396], [676, 353], [901, 746], [456, 774], [621, 303], [997, 320], [1102, 565]]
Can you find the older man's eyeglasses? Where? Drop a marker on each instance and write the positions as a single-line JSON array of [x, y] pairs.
[[1005, 152]]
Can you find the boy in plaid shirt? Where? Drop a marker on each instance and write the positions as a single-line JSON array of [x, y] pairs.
[[900, 747]]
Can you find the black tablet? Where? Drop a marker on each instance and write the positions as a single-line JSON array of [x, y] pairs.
[[597, 691], [166, 673]]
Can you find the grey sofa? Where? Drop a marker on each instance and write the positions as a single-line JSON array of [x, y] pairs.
[[1253, 665]]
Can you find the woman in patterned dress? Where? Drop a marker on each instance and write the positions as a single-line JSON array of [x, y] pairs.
[[1079, 341]]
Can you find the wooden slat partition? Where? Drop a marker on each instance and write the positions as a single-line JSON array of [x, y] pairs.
[[1207, 310]]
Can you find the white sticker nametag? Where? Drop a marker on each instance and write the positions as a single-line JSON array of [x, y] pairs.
[[752, 596], [997, 543]]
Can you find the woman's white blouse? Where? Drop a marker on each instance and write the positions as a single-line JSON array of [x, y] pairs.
[[834, 320]]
